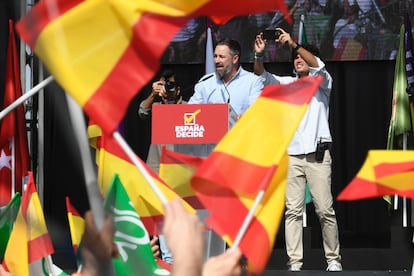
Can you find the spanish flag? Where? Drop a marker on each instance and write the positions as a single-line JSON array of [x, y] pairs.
[[29, 240], [103, 52], [384, 172], [113, 161], [176, 169], [228, 182], [76, 225]]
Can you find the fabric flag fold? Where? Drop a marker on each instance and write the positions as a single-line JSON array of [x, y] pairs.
[[131, 237], [176, 169], [400, 130], [105, 47], [13, 138], [384, 172], [76, 225], [29, 240], [227, 182], [8, 215], [146, 202]]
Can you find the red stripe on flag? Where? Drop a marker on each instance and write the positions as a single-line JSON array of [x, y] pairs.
[[43, 13], [245, 182], [295, 93], [133, 70], [39, 247], [386, 169], [153, 224], [360, 188], [70, 208], [228, 205], [172, 157]]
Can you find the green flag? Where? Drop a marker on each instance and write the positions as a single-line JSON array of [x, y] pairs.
[[131, 237], [8, 215], [400, 129]]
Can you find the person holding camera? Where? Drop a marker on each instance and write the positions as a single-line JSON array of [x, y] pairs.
[[164, 91], [309, 153]]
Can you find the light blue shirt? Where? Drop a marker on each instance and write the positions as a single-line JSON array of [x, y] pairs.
[[314, 126], [240, 92]]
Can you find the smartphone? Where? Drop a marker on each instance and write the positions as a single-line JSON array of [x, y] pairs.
[[271, 34]]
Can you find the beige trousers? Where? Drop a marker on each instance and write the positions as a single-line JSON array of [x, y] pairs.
[[304, 168]]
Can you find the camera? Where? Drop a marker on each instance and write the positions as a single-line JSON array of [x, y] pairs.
[[170, 86], [271, 34]]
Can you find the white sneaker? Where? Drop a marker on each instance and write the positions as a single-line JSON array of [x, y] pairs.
[[334, 266], [295, 267]]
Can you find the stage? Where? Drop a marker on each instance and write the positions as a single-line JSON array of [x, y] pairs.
[[342, 273]]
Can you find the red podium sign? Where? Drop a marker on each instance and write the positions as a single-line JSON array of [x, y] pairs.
[[189, 123]]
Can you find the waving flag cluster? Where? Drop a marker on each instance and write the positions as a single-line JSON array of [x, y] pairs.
[[29, 240], [228, 181], [108, 50], [112, 160], [8, 215], [384, 172]]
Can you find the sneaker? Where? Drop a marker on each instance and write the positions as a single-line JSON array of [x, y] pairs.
[[334, 266], [295, 267]]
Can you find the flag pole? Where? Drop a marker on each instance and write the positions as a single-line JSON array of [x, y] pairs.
[[91, 182], [79, 127], [133, 157], [25, 96], [300, 41], [265, 182]]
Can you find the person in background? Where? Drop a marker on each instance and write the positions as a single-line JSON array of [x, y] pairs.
[[230, 83], [164, 91], [309, 154]]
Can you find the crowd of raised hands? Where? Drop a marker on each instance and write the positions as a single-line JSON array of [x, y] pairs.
[[184, 234]]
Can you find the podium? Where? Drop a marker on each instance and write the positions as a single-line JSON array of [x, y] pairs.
[[194, 129]]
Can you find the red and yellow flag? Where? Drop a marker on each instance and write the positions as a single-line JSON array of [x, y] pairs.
[[228, 181], [384, 172], [176, 169], [104, 52], [146, 202], [76, 225], [29, 240]]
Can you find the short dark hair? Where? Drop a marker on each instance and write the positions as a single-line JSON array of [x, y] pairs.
[[234, 45], [167, 73], [310, 47]]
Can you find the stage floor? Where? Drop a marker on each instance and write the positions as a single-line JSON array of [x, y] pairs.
[[342, 273]]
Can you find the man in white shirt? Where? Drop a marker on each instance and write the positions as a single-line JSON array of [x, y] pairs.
[[309, 156]]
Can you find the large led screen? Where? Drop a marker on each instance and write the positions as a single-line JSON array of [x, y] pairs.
[[342, 29]]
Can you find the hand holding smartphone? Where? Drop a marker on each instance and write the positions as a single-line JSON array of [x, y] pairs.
[[271, 34]]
